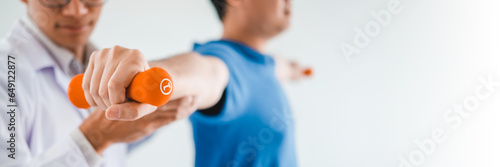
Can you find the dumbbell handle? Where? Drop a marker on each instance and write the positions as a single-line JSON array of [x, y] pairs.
[[153, 86]]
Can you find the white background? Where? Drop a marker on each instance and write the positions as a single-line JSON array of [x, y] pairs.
[[367, 112]]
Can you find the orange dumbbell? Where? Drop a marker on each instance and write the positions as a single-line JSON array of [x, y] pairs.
[[153, 86]]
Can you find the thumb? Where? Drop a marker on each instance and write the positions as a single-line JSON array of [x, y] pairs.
[[129, 111]]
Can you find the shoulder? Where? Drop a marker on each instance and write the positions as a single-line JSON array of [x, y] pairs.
[[215, 48], [20, 53], [27, 51]]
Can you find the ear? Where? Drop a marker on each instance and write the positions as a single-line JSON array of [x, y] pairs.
[[234, 3]]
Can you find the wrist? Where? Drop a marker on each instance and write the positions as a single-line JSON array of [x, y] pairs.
[[96, 139]]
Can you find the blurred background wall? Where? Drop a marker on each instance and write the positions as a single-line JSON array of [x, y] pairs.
[[383, 106]]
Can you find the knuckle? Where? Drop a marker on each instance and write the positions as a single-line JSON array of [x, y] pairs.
[[113, 50], [136, 54], [134, 57], [135, 51], [94, 54], [113, 85], [134, 115], [99, 54], [103, 92], [116, 47], [85, 87], [112, 55], [90, 101], [94, 92]]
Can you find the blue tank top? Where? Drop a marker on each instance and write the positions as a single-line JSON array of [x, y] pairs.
[[254, 126]]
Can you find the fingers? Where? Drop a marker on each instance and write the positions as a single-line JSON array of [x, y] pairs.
[[162, 121], [119, 81], [86, 81], [109, 73], [129, 111], [95, 81], [165, 117], [109, 69], [185, 101], [179, 109], [188, 109]]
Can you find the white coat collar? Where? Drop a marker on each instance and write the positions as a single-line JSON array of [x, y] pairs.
[[62, 57]]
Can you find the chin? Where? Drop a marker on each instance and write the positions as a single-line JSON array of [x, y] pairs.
[[282, 27]]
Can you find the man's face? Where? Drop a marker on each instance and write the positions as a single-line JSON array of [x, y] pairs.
[[268, 16], [69, 26]]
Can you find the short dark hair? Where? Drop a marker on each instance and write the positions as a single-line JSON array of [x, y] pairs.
[[220, 6]]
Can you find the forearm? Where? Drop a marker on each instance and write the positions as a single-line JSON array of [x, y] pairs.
[[181, 68], [194, 75], [93, 138]]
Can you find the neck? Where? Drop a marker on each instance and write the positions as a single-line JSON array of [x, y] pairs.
[[246, 37]]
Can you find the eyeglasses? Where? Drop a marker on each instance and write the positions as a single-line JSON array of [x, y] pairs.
[[62, 3]]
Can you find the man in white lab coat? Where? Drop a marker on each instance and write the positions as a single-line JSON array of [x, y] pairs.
[[39, 125]]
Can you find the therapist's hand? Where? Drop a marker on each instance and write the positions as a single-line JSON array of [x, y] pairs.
[[102, 132], [109, 73]]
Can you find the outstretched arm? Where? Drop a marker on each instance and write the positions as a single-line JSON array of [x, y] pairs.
[[204, 77], [287, 70]]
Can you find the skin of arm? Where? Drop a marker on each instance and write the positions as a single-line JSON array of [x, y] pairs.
[[204, 77]]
